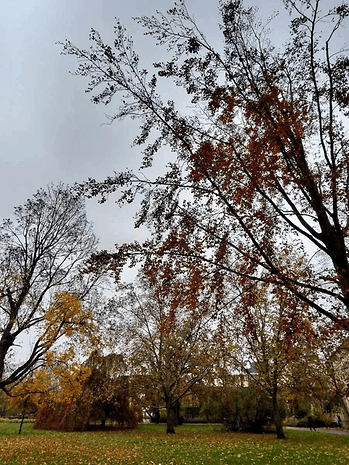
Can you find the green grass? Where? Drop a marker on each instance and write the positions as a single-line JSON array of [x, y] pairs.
[[150, 445]]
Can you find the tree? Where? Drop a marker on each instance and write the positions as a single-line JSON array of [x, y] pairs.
[[264, 167], [82, 393], [29, 395], [273, 339], [169, 349], [43, 290], [334, 357], [109, 391], [64, 405]]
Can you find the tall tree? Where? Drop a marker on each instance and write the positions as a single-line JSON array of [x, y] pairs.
[[264, 166], [43, 290], [169, 348]]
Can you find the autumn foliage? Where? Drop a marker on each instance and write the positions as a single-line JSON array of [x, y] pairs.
[[263, 170], [81, 395], [249, 223]]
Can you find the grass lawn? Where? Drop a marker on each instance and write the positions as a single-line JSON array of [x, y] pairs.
[[150, 445]]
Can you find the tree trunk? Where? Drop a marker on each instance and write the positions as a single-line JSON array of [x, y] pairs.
[[279, 427], [277, 419], [21, 424], [157, 415], [170, 419], [177, 409]]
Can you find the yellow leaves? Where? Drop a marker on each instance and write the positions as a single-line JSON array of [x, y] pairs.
[[67, 317], [29, 394], [62, 383], [192, 445], [56, 448], [69, 382], [65, 310]]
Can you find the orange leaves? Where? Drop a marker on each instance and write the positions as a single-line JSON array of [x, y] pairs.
[[217, 98], [274, 127], [202, 161], [210, 160], [243, 163], [225, 100], [277, 117], [222, 251], [175, 241], [217, 164], [193, 293], [167, 323]]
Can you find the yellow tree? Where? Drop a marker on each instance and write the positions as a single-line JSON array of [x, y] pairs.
[[29, 395], [61, 378], [80, 393], [69, 320], [58, 405]]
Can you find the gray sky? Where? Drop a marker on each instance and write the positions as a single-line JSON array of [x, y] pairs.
[[50, 131]]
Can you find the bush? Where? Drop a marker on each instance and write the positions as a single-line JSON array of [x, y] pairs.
[[76, 416], [247, 410], [239, 409], [291, 421], [318, 422], [212, 410]]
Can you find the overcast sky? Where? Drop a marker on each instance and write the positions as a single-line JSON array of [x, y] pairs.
[[50, 131]]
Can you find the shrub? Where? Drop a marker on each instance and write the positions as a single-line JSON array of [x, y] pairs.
[[246, 410], [291, 421], [239, 409], [63, 417], [77, 416], [318, 422]]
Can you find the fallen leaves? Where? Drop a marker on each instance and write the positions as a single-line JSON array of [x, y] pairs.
[[149, 445]]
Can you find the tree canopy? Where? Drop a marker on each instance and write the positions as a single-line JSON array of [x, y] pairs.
[[168, 349], [262, 166]]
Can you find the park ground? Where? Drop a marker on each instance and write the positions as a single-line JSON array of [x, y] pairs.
[[149, 445]]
